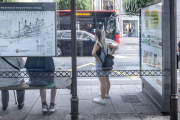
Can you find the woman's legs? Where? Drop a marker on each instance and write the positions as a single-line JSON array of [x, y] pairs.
[[102, 87], [43, 95], [53, 95], [108, 84]]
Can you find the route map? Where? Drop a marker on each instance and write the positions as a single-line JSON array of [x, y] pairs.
[[27, 33]]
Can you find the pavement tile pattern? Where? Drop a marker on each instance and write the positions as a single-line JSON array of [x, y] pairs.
[[127, 102]]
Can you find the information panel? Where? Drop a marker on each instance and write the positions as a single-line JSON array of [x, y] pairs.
[[27, 29], [151, 43]]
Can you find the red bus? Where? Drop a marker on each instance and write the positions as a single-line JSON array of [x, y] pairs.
[[91, 21]]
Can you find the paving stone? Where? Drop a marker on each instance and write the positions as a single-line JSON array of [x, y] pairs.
[[30, 100], [86, 106], [109, 116], [10, 105], [63, 100], [98, 108], [139, 87], [60, 117], [95, 83], [124, 108], [124, 82], [145, 109], [63, 110], [95, 89], [36, 108], [83, 83], [116, 92], [130, 89], [153, 116], [84, 88], [115, 87], [16, 111], [113, 82], [14, 117], [84, 94], [83, 116], [137, 82], [128, 116], [144, 100], [130, 99], [64, 92], [37, 117], [116, 99]]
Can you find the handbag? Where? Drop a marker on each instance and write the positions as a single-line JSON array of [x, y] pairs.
[[10, 64], [108, 61]]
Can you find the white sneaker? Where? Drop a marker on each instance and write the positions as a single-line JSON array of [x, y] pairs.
[[53, 108], [44, 108], [106, 95], [99, 100]]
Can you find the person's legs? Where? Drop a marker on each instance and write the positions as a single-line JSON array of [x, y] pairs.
[[5, 98], [43, 95], [108, 84], [53, 95], [20, 98], [43, 100], [102, 87], [53, 106], [101, 100]]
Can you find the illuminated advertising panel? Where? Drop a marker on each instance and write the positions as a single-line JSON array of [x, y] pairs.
[[151, 43]]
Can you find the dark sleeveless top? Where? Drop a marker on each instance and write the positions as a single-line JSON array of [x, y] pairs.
[[98, 53]]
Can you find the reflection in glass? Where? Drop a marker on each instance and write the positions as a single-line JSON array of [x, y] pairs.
[[130, 28]]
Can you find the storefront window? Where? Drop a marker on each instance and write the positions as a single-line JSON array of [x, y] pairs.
[[130, 28]]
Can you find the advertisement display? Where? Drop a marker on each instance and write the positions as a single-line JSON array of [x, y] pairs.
[[27, 29], [151, 43]]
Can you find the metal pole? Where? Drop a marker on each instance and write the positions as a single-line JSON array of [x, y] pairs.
[[74, 99], [173, 33]]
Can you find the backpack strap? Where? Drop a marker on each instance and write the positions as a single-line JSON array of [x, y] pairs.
[[11, 64], [102, 48]]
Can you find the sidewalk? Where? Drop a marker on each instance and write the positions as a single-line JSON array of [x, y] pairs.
[[127, 103]]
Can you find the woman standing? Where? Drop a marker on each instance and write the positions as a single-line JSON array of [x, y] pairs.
[[99, 55]]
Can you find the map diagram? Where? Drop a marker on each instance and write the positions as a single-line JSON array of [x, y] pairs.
[[29, 33]]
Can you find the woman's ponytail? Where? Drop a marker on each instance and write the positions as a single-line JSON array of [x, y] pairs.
[[103, 41]]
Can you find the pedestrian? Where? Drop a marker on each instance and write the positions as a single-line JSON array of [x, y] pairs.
[[43, 64], [8, 64], [100, 57]]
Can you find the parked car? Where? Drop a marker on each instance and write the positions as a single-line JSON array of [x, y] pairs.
[[85, 43]]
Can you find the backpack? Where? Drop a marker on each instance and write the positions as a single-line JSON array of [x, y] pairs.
[[108, 61]]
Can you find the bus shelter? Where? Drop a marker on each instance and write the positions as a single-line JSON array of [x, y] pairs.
[[157, 51]]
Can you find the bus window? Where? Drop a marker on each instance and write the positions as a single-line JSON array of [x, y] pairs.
[[110, 29], [117, 26]]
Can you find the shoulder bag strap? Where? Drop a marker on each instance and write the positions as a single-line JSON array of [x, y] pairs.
[[102, 48], [10, 64]]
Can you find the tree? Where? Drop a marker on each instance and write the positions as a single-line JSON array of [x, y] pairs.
[[131, 7], [80, 4], [8, 0]]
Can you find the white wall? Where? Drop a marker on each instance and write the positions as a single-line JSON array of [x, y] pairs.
[[97, 4]]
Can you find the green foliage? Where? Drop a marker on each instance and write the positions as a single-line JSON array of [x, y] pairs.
[[80, 4], [8, 0], [131, 7]]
